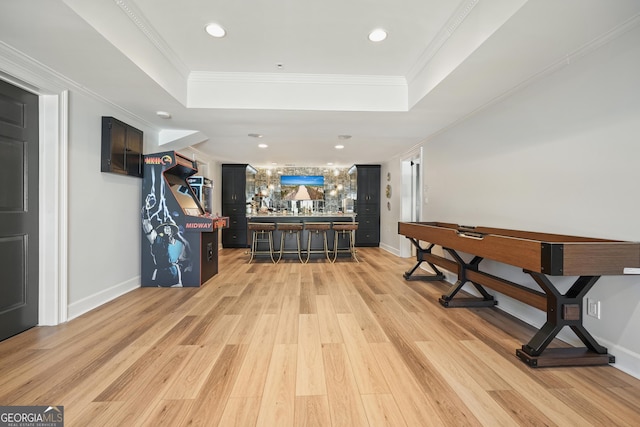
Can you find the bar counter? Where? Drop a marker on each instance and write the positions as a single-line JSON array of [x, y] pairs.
[[316, 243], [313, 217]]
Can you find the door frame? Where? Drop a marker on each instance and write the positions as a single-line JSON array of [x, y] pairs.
[[407, 202], [53, 167]]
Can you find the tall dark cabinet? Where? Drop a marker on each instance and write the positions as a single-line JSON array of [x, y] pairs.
[[367, 203], [236, 180]]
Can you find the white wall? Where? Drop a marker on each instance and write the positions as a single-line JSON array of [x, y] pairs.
[[390, 208], [561, 156], [103, 212]]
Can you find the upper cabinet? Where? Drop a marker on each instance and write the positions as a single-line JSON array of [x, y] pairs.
[[238, 183], [366, 180], [121, 148], [368, 184]]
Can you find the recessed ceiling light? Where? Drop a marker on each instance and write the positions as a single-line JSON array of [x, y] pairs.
[[377, 35], [339, 147], [262, 145], [255, 135], [215, 30], [163, 114], [344, 137]]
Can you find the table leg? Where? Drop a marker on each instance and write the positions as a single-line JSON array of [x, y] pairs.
[[447, 300], [420, 253], [564, 310]]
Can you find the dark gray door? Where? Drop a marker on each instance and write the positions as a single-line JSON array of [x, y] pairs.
[[18, 210]]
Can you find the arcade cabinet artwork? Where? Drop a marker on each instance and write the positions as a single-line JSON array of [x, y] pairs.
[[179, 239]]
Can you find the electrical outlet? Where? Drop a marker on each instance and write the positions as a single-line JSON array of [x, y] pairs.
[[593, 308]]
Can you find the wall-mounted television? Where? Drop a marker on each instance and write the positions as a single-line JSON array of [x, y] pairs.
[[302, 187]]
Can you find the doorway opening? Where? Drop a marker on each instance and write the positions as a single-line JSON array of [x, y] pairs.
[[411, 169]]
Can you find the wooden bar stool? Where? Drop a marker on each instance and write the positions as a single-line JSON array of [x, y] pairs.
[[290, 229], [261, 232], [316, 228], [346, 229]]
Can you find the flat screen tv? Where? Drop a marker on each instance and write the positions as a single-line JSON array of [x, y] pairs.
[[302, 187]]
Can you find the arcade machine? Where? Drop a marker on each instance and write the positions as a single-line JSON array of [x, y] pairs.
[[179, 238]]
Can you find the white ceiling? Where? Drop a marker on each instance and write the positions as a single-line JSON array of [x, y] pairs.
[[443, 60]]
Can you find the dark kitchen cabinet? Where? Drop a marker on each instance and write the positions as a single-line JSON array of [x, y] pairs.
[[236, 182], [367, 204]]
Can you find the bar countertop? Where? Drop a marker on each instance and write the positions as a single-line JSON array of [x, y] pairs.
[[280, 215]]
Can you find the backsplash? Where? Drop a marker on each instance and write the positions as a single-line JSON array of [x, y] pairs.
[[339, 189]]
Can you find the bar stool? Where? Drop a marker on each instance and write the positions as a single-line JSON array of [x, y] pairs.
[[345, 229], [315, 228], [289, 228], [261, 232]]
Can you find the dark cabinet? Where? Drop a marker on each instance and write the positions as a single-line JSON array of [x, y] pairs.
[[236, 235], [234, 184], [121, 148], [367, 204], [368, 191], [235, 179]]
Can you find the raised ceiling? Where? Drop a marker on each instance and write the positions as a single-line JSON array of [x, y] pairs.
[[300, 72]]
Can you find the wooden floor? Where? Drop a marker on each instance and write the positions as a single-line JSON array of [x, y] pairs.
[[345, 344]]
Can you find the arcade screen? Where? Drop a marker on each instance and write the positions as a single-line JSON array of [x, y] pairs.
[[302, 187], [184, 194]]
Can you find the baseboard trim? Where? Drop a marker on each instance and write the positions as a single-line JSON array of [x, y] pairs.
[[93, 301], [626, 360], [390, 249]]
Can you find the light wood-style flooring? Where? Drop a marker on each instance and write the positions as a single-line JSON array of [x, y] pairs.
[[344, 344]]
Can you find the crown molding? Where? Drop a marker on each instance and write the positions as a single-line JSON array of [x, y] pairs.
[[296, 92], [631, 24], [284, 91], [137, 17], [290, 78], [464, 9], [601, 40], [32, 75]]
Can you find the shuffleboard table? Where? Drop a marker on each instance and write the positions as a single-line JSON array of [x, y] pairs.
[[541, 255]]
